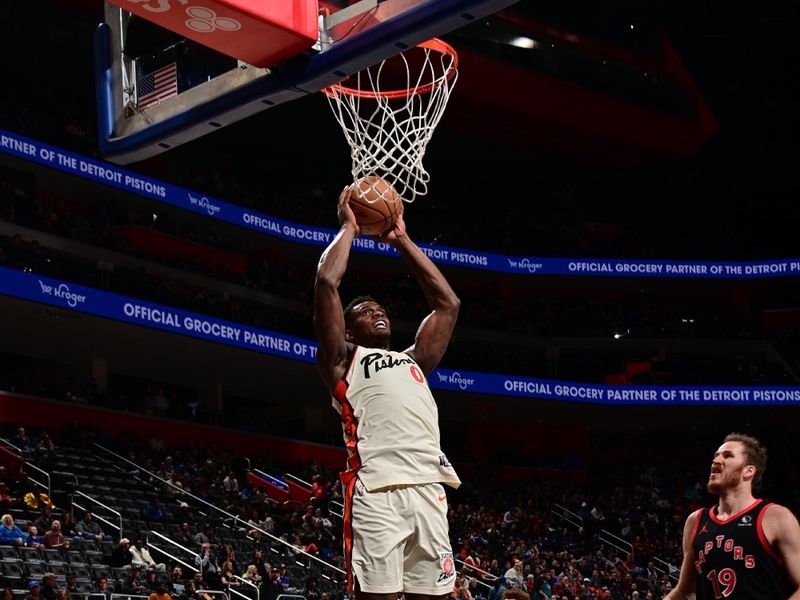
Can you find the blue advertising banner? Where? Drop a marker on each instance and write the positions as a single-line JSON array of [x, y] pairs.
[[108, 174], [71, 296]]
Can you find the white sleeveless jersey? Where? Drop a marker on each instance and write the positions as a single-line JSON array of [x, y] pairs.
[[390, 422]]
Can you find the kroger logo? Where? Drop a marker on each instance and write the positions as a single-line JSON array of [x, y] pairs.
[[525, 264], [211, 209], [62, 292], [455, 378]]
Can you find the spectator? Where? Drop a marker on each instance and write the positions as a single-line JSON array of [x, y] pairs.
[[251, 575], [189, 591], [48, 590], [68, 527], [312, 589], [151, 580], [21, 439], [514, 578], [230, 484], [132, 583], [185, 537], [203, 537], [89, 529], [45, 520], [34, 590], [62, 594], [177, 581], [101, 587], [53, 538], [160, 404], [272, 588], [141, 557], [209, 568], [33, 539], [8, 593], [160, 593], [227, 575], [121, 556], [10, 533], [72, 584], [154, 511], [498, 589]]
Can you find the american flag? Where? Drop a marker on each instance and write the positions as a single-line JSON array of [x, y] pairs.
[[157, 86]]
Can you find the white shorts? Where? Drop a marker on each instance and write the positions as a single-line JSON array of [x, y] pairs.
[[396, 539]]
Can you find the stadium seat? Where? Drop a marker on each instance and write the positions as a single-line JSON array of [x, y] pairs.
[[34, 569], [93, 556], [75, 556], [59, 568], [80, 570], [99, 571], [27, 554], [106, 548], [51, 555], [11, 569], [8, 553]]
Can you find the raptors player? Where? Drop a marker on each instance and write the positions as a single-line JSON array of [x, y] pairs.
[[395, 523], [742, 548]]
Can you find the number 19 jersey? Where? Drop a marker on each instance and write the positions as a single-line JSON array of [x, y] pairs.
[[733, 558]]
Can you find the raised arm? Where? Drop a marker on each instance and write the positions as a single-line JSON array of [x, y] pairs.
[[328, 315], [687, 584], [433, 335]]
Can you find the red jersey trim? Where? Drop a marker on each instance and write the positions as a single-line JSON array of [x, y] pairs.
[[697, 523], [347, 526], [719, 521], [340, 391], [763, 538]]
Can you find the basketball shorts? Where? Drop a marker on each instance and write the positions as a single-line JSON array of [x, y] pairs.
[[396, 539]]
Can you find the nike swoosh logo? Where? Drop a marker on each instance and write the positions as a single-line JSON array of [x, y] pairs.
[[442, 498]]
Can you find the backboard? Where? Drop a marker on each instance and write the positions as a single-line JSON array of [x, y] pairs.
[[156, 89]]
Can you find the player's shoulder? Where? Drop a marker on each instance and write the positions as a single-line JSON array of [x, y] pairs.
[[778, 513], [694, 516]]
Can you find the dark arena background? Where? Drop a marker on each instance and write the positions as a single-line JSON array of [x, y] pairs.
[[613, 201]]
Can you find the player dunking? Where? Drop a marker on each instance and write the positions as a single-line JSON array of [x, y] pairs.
[[395, 523], [742, 548]]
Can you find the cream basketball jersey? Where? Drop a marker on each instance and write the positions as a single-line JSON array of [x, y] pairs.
[[390, 422]]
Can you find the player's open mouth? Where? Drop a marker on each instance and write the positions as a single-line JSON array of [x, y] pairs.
[[380, 324]]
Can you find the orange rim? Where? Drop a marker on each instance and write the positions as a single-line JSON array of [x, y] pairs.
[[434, 44]]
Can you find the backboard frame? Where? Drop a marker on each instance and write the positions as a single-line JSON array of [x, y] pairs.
[[126, 135]]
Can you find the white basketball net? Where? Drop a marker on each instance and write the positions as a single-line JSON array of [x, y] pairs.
[[389, 130]]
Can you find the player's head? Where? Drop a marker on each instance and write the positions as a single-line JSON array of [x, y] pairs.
[[739, 461], [366, 323]]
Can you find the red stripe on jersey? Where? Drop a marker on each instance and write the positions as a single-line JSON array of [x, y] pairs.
[[347, 526], [697, 523], [731, 518], [763, 538]]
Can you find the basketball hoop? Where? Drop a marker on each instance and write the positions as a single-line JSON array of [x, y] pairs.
[[389, 111]]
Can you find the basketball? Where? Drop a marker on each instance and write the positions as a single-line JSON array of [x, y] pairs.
[[376, 205]]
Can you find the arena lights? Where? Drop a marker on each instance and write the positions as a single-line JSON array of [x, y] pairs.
[[524, 42]]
